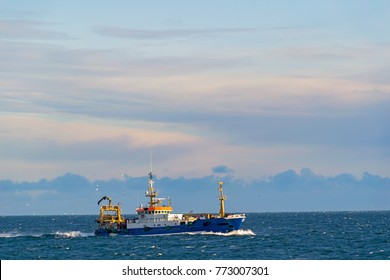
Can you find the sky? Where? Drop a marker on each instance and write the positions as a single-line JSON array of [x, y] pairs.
[[251, 88]]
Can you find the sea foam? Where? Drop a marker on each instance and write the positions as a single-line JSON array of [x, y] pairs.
[[240, 232], [71, 234]]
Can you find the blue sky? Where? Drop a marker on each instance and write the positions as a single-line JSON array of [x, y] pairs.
[[257, 87]]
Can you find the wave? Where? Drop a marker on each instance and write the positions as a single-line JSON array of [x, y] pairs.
[[72, 234], [240, 232], [58, 234], [10, 235]]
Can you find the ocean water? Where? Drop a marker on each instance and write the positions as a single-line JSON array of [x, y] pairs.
[[272, 236]]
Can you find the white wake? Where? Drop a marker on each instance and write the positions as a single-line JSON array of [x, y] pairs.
[[240, 232]]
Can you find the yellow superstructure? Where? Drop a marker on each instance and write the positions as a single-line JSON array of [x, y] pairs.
[[110, 215], [222, 199]]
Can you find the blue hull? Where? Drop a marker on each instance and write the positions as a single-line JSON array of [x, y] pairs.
[[207, 225]]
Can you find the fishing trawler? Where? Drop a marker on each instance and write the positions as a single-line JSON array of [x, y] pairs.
[[156, 218]]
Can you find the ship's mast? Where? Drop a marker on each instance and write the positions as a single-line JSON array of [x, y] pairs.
[[222, 199], [151, 192]]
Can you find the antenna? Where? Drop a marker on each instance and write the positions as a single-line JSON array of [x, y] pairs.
[[151, 160]]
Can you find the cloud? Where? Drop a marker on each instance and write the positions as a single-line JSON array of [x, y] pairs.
[[285, 191], [29, 30], [46, 78], [101, 149], [246, 105], [221, 169], [146, 34]]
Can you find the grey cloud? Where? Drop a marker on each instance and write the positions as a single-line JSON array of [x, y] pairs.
[[221, 169], [349, 130]]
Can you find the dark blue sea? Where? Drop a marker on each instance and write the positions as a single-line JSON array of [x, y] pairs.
[[264, 236]]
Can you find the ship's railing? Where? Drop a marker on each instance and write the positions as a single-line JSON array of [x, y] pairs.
[[235, 216], [148, 220]]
